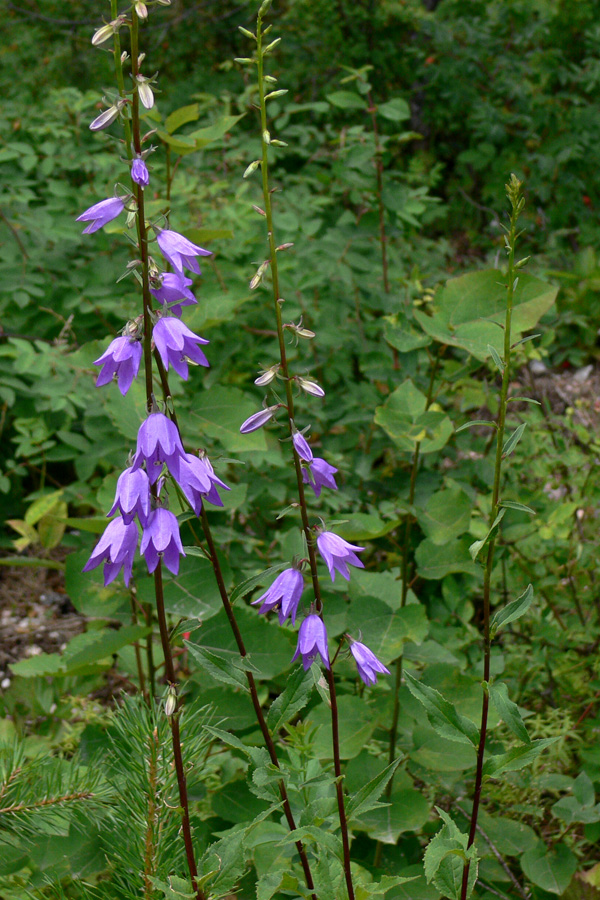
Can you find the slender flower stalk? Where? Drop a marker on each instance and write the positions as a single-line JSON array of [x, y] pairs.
[[284, 371], [517, 201]]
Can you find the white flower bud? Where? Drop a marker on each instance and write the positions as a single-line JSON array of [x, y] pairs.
[[251, 168], [171, 702], [310, 387], [107, 117], [145, 92], [103, 34], [267, 376], [141, 10]]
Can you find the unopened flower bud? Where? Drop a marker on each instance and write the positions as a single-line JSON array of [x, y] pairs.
[[171, 702], [103, 34], [275, 94], [310, 387], [251, 168], [145, 91], [107, 117], [271, 46], [254, 283], [264, 7], [141, 10], [124, 57], [246, 32], [267, 375], [284, 246], [260, 211]]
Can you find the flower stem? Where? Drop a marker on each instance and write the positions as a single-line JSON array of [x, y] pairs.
[[310, 543], [514, 188], [158, 584]]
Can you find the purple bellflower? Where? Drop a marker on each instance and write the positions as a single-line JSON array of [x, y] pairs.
[[194, 480], [212, 495], [158, 442], [283, 595], [174, 287], [100, 214], [257, 420], [132, 497], [161, 539], [337, 553], [139, 172], [312, 642], [174, 341], [116, 549], [302, 447], [121, 358], [180, 252], [367, 663], [319, 474]]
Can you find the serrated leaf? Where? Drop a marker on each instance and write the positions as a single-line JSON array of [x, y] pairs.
[[443, 716], [512, 441], [368, 795], [293, 698], [508, 711], [223, 668], [517, 758], [513, 611]]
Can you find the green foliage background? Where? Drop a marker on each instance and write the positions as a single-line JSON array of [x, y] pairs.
[[465, 92]]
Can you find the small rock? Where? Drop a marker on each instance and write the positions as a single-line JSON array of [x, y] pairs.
[[537, 367]]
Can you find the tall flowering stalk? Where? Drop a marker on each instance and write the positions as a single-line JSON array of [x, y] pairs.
[[517, 201], [335, 552], [159, 445]]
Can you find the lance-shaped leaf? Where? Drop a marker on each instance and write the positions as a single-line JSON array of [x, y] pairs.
[[512, 611], [508, 711], [443, 715]]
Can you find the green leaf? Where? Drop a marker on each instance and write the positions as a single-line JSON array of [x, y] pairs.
[[550, 870], [513, 611], [517, 758], [93, 646], [368, 795], [357, 724], [508, 711], [365, 527], [182, 116], [405, 419], [445, 859], [219, 413], [44, 664], [468, 310], [496, 357], [475, 422], [396, 110], [41, 507], [520, 507], [442, 714], [346, 100], [385, 631], [222, 666], [293, 698], [446, 516], [434, 562], [477, 546], [513, 439], [32, 561]]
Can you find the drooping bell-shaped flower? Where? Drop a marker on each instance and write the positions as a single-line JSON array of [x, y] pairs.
[[100, 214], [161, 539], [158, 442], [367, 663], [179, 251], [338, 553], [312, 642], [121, 358], [302, 447], [283, 595], [319, 474], [213, 495], [116, 549], [132, 497], [257, 420], [175, 289], [175, 341], [193, 480]]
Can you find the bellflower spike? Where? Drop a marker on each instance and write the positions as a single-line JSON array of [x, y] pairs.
[[312, 642], [283, 595], [174, 341], [367, 663], [161, 539], [213, 495], [174, 287], [302, 447], [158, 442], [256, 421], [139, 172], [337, 553], [116, 549], [319, 474], [100, 214], [180, 252], [121, 358], [132, 497]]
